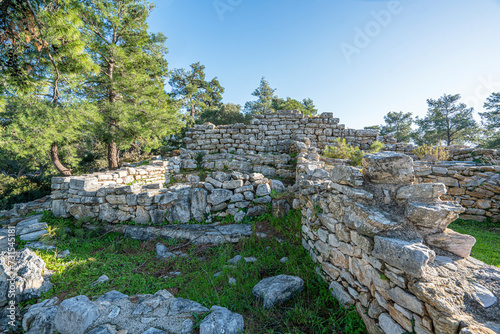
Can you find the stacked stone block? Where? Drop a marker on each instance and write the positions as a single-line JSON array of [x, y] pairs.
[[382, 243], [275, 132], [476, 188], [159, 192]]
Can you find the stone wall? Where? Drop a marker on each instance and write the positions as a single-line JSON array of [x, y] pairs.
[[456, 152], [275, 132], [381, 242], [476, 188], [179, 189]]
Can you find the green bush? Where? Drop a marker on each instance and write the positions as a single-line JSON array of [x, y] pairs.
[[22, 189], [343, 150], [432, 153]]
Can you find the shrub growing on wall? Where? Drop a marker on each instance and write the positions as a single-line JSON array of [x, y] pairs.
[[343, 150], [431, 153]]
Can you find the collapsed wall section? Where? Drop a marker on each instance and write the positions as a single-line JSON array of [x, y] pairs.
[[382, 243]]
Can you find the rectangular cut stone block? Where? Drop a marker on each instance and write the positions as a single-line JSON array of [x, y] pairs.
[[411, 257], [406, 300], [88, 183]]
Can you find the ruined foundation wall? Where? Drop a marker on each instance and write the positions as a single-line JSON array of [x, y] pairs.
[[476, 188], [179, 189], [381, 242], [275, 132]]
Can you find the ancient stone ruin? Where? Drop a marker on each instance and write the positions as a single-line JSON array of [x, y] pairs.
[[378, 233], [382, 242]]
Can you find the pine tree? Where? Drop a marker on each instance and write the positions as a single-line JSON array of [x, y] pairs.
[[491, 118], [194, 92], [44, 64], [398, 125], [447, 120], [129, 86], [264, 102]]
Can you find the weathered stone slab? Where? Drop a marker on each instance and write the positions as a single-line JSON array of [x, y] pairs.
[[278, 289], [411, 257], [75, 315], [369, 220], [453, 242], [388, 167]]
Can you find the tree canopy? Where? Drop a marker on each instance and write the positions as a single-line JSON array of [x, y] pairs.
[[267, 101], [447, 120], [194, 92], [398, 125], [129, 87]]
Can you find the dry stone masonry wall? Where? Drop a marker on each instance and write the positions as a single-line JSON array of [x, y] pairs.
[[172, 190], [275, 132], [381, 241], [476, 188]]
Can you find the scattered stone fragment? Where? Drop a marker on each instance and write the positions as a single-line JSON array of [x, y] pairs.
[[232, 281], [39, 245], [283, 259], [250, 259], [162, 252], [278, 289], [235, 259], [221, 320], [484, 296], [100, 280], [63, 254]]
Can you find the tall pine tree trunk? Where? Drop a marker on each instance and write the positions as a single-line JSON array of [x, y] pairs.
[[112, 148], [112, 155], [54, 156]]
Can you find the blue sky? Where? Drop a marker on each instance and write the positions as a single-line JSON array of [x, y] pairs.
[[357, 59]]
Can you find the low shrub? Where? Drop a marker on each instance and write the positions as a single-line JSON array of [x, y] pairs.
[[22, 189], [343, 150], [432, 153]]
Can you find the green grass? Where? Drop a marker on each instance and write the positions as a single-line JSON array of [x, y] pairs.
[[487, 234], [133, 268]]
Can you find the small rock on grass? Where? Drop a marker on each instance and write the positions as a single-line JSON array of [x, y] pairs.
[[39, 245], [278, 289], [283, 259], [63, 254], [235, 259], [232, 281], [162, 252], [100, 280], [250, 259]]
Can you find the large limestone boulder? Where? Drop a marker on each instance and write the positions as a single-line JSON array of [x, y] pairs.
[[75, 315], [25, 269]]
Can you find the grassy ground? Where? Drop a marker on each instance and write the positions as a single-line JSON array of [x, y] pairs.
[[133, 268], [487, 234]]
